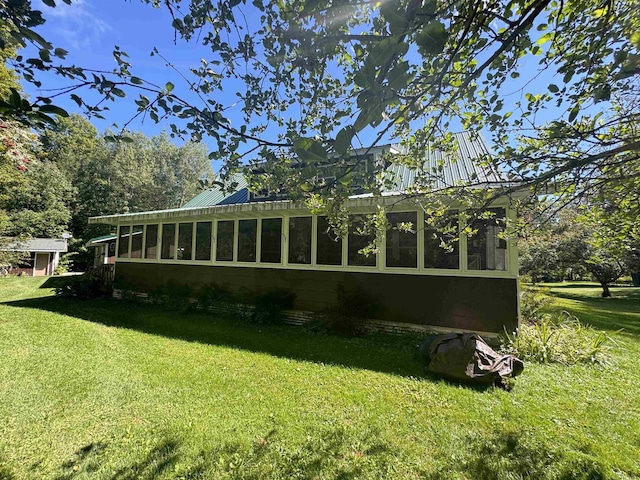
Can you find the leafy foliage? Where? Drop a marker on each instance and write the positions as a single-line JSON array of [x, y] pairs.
[[269, 306], [116, 177], [82, 286], [317, 78], [558, 338], [172, 296], [346, 317], [549, 335]]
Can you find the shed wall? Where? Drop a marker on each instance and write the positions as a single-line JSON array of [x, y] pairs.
[[482, 304]]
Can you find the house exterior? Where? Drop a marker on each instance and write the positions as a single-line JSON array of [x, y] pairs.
[[255, 243], [41, 255]]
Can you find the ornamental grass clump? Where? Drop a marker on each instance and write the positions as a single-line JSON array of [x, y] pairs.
[[558, 338]]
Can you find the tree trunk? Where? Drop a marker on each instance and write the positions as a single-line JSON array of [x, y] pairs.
[[606, 293]]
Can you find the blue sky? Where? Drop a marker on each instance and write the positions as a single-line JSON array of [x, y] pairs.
[[89, 29]]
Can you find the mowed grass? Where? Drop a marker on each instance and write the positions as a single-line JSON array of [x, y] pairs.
[[113, 390]]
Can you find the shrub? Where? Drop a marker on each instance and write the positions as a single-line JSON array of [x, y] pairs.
[[557, 338], [348, 315], [172, 296], [268, 307], [216, 298], [83, 286], [533, 303]]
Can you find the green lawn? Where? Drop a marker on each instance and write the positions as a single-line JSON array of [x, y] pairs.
[[113, 390]]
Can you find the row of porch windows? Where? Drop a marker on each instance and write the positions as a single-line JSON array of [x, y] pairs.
[[485, 250]]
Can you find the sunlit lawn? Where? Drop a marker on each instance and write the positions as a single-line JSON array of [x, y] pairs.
[[113, 390]]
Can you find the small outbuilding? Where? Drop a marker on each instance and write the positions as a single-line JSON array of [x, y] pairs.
[[40, 255]]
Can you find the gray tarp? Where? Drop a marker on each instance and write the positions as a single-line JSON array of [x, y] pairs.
[[467, 357]]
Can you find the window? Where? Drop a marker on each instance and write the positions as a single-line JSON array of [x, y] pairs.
[[486, 250], [168, 241], [151, 242], [358, 241], [136, 241], [203, 241], [224, 243], [123, 242], [402, 245], [185, 241], [441, 247], [329, 245], [271, 240], [247, 234], [300, 240]]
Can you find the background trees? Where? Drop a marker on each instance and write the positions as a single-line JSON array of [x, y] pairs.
[[316, 78], [119, 177]]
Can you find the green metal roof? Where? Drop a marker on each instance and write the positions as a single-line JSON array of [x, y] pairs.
[[460, 170], [445, 171], [215, 196], [463, 169]]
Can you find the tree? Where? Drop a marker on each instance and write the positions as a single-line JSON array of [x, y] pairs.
[[320, 77], [555, 245], [118, 177], [605, 268]]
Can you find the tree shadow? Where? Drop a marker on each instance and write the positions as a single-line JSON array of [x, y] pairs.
[[89, 460], [334, 450], [5, 472], [612, 314], [333, 453], [84, 460], [508, 455], [383, 353]]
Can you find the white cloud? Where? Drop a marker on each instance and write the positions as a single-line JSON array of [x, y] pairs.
[[77, 24]]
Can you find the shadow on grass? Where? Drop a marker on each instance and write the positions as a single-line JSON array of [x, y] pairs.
[[615, 313], [333, 453], [89, 460], [508, 455], [333, 450], [383, 353]]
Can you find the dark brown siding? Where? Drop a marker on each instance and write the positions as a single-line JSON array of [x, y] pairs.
[[485, 304]]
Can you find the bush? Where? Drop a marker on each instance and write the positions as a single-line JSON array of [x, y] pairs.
[[268, 307], [172, 296], [83, 286], [216, 298], [557, 338], [533, 303], [348, 315]]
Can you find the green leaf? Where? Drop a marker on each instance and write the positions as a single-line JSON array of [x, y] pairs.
[[60, 52], [49, 3], [136, 80], [44, 55], [76, 99], [574, 113], [53, 109], [553, 88], [432, 38], [169, 86], [310, 150], [365, 78], [343, 139], [118, 93]]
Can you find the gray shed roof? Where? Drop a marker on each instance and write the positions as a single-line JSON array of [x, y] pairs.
[[35, 245]]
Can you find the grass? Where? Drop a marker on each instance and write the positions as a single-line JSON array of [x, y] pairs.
[[111, 390]]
